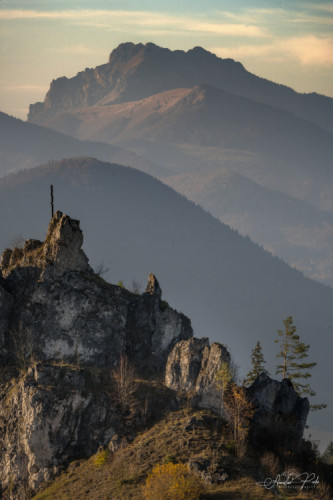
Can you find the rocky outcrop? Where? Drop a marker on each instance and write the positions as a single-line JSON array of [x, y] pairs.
[[191, 368], [49, 416], [281, 413], [54, 309], [71, 313], [60, 252]]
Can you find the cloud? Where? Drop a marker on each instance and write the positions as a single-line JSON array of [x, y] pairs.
[[139, 19], [80, 50], [24, 88], [277, 18], [309, 50], [226, 29]]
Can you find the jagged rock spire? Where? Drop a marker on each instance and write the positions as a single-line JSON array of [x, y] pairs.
[[153, 287], [60, 252]]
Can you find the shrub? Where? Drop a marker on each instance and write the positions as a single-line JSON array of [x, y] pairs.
[[101, 458], [164, 305], [172, 482]]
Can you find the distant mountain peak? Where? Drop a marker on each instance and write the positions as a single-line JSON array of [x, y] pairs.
[[137, 71], [134, 71]]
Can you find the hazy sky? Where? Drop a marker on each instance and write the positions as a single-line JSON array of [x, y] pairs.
[[289, 42]]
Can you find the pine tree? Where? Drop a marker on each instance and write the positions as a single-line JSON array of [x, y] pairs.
[[293, 352], [257, 362]]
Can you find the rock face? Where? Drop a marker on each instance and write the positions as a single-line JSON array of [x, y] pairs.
[[278, 409], [56, 310], [49, 417], [60, 252], [191, 368], [50, 290]]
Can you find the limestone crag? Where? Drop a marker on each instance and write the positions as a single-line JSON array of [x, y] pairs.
[[63, 330], [71, 313], [47, 418], [60, 252], [278, 408], [54, 309], [191, 368]]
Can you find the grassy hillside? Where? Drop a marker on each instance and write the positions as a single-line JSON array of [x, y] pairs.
[[180, 437]]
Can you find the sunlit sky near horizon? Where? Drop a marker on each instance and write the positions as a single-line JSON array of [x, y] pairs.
[[288, 42]]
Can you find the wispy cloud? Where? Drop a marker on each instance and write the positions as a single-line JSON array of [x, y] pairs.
[[276, 18], [80, 49], [24, 88], [139, 19], [311, 50], [307, 50]]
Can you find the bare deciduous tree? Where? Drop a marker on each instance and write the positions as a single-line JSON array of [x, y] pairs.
[[125, 386], [101, 269], [136, 287], [23, 341]]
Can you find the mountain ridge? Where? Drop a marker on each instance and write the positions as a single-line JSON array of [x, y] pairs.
[[130, 64], [25, 145]]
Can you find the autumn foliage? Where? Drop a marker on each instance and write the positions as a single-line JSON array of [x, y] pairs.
[[172, 482]]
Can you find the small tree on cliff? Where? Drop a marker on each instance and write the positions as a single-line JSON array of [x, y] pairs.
[[240, 411], [223, 378], [293, 353], [257, 362], [125, 386]]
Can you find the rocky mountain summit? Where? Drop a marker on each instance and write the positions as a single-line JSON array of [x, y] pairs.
[[136, 71], [63, 332]]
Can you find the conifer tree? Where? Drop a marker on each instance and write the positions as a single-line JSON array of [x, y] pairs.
[[257, 363], [293, 353]]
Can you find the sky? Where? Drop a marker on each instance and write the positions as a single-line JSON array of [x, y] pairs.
[[289, 42]]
